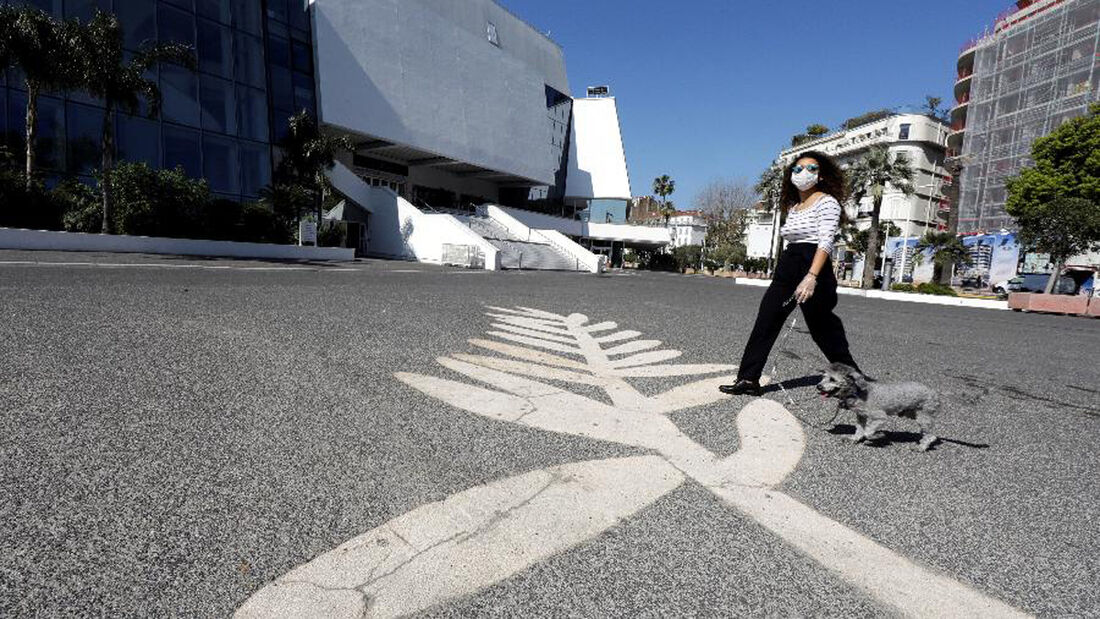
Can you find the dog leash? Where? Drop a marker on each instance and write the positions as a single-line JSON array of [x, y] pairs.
[[790, 401]]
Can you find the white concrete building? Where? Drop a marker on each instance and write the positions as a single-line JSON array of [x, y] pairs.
[[467, 141], [687, 228], [922, 139]]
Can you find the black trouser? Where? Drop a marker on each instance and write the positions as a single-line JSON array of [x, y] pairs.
[[825, 327]]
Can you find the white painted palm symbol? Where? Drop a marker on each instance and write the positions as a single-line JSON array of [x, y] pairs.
[[482, 536]]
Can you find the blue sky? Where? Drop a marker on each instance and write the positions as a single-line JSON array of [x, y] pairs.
[[712, 89]]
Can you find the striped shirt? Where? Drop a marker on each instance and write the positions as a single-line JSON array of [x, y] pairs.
[[817, 224]]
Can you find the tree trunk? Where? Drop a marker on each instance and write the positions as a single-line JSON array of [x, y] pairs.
[[1059, 264], [320, 210], [32, 131], [107, 149], [871, 255], [952, 195]]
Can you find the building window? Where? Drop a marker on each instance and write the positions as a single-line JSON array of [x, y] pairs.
[[84, 128], [252, 107], [493, 35], [218, 110], [181, 148], [139, 140], [220, 164], [255, 168], [278, 51], [181, 98], [214, 9], [904, 133], [176, 26], [215, 49], [276, 9], [85, 9], [250, 60], [246, 15], [138, 21]]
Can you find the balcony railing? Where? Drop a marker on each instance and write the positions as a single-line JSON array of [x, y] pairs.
[[964, 74], [971, 44]]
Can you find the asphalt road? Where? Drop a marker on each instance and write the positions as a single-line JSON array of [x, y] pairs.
[[177, 433]]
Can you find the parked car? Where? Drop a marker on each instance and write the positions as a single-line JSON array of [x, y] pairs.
[[1037, 282]]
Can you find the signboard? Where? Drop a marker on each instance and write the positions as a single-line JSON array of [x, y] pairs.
[[307, 233]]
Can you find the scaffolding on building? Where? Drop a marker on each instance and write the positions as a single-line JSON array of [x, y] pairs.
[[1027, 79]]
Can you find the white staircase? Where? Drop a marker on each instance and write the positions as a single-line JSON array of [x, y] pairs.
[[533, 253]]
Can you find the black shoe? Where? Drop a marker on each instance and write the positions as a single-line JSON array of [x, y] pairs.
[[742, 387]]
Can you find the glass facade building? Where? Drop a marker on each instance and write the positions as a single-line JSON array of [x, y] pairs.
[[220, 122]]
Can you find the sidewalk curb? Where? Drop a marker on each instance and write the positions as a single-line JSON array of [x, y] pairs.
[[908, 297]]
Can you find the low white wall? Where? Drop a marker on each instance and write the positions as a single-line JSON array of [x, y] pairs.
[[76, 241], [399, 230], [911, 297]]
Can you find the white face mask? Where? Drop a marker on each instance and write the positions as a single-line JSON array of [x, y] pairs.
[[804, 180]]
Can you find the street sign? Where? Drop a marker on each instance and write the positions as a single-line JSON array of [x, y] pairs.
[[307, 233]]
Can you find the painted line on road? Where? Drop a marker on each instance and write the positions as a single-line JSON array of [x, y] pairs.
[[478, 537], [153, 265]]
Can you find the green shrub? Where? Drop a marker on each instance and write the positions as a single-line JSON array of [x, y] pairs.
[[687, 256], [38, 208], [150, 202], [332, 234], [657, 261], [82, 209], [936, 289], [261, 224], [903, 288]]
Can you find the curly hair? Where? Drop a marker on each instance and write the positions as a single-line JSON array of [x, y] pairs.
[[830, 180]]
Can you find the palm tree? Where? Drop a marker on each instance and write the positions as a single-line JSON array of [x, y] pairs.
[[871, 175], [770, 188], [106, 74], [664, 187], [954, 168], [309, 153], [43, 48], [947, 251]]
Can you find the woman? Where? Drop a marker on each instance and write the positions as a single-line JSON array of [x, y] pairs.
[[813, 189]]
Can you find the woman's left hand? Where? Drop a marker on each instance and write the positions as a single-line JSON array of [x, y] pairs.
[[805, 290]]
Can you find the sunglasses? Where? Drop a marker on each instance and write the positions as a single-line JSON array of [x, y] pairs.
[[810, 168]]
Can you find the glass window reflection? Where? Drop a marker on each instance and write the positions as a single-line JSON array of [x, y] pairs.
[[179, 87], [215, 49], [181, 148], [252, 110], [218, 105], [83, 133], [138, 139], [220, 164]]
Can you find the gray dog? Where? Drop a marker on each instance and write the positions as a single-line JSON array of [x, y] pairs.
[[873, 402]]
